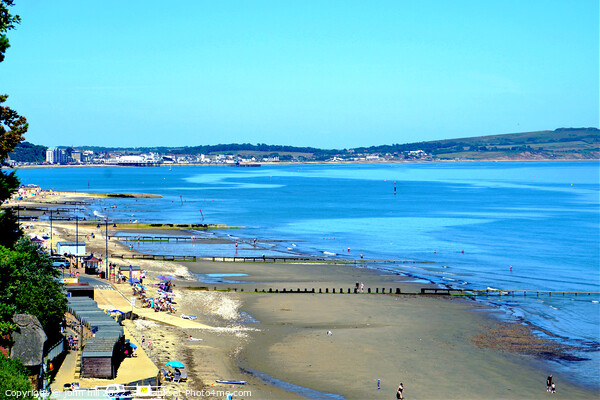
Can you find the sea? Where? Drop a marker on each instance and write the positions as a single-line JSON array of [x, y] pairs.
[[483, 225]]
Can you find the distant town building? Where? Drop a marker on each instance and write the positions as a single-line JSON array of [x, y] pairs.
[[141, 160], [76, 156], [55, 155]]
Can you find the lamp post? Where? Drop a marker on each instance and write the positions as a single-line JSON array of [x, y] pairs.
[[77, 229], [107, 276], [106, 241], [57, 212]]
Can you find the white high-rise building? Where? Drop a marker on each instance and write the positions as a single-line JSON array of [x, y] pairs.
[[57, 156]]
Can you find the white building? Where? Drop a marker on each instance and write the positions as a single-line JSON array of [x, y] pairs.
[[55, 155], [73, 248]]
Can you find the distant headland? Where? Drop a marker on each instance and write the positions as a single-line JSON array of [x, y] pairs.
[[560, 144]]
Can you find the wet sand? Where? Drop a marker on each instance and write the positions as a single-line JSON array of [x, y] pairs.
[[425, 343], [431, 344]]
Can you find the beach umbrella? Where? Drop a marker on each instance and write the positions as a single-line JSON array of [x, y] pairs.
[[116, 311], [175, 364], [133, 346]]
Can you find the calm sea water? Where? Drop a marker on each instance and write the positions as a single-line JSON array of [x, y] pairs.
[[541, 218]]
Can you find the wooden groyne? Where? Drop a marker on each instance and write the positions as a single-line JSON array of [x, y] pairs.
[[396, 290], [140, 238], [162, 257], [293, 259], [512, 293]]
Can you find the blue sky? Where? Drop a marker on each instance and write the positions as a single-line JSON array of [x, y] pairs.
[[330, 74]]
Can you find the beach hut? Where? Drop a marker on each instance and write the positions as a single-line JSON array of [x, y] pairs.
[[135, 272], [38, 242], [90, 264], [74, 248], [101, 357], [102, 353]]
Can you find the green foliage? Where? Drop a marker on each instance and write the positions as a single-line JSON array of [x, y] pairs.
[[12, 128], [8, 184], [7, 22], [12, 125], [29, 283], [10, 231], [13, 377], [9, 226], [28, 152]]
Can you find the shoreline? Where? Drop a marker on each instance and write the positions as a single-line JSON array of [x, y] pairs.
[[282, 332], [269, 163]]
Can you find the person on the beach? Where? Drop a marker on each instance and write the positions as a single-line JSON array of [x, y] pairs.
[[362, 287], [357, 285], [143, 341], [549, 383], [553, 388], [400, 391], [378, 384]]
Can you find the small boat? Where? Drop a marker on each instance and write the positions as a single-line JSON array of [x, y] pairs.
[[231, 382]]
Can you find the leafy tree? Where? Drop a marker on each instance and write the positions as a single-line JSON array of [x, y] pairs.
[[7, 22], [28, 152], [14, 377], [12, 128], [29, 285], [12, 125]]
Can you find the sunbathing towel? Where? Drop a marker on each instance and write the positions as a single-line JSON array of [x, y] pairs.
[[188, 316]]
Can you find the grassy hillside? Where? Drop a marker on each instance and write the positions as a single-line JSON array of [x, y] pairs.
[[563, 143]]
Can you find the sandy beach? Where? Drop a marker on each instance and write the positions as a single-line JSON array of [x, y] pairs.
[[434, 345]]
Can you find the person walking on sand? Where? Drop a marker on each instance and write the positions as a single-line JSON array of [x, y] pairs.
[[400, 391], [378, 384], [548, 383], [362, 287]]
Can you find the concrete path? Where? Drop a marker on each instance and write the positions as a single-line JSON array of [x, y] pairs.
[[66, 373]]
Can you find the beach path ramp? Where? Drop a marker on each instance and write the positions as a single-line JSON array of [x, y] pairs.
[[169, 319]]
